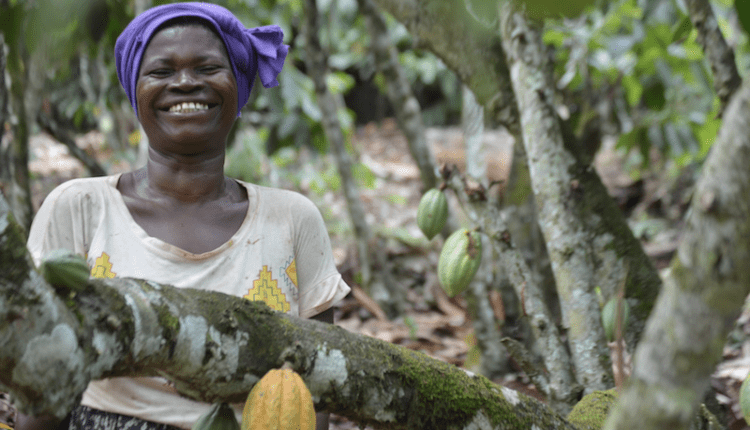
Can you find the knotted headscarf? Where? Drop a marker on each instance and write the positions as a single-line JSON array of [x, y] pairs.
[[255, 50]]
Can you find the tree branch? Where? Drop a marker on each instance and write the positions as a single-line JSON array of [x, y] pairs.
[[214, 347], [720, 56], [66, 137]]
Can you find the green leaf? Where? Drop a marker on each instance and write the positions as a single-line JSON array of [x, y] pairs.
[[541, 9], [743, 14], [633, 89], [364, 176], [706, 134], [681, 30], [654, 96]]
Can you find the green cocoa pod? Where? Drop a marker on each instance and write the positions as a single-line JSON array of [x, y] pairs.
[[432, 212], [219, 417], [459, 260], [66, 269], [609, 317]]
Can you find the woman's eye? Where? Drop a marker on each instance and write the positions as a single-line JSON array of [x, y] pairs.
[[209, 69], [160, 72]]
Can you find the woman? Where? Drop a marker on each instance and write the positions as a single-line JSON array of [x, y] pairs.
[[188, 69]]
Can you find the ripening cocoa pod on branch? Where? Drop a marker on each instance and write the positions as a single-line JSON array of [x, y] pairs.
[[432, 212], [459, 260]]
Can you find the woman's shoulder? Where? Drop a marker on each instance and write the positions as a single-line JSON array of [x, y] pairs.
[[84, 185], [280, 197], [81, 191]]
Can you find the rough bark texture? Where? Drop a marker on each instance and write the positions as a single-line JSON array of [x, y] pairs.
[[570, 239], [704, 292], [588, 240], [406, 107], [215, 347], [720, 56], [471, 50]]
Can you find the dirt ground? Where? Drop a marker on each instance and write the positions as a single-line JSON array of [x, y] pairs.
[[655, 203]]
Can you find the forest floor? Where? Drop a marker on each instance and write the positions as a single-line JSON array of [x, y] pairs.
[[655, 203]]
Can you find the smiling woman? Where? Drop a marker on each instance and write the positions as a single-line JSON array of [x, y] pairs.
[[188, 69]]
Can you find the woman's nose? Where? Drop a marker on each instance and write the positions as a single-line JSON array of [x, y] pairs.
[[186, 79]]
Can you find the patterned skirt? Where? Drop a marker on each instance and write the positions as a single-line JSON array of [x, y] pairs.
[[85, 418]]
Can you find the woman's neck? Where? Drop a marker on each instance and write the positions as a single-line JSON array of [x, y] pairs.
[[183, 179]]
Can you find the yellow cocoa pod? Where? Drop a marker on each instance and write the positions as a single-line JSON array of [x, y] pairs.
[[219, 417], [279, 401]]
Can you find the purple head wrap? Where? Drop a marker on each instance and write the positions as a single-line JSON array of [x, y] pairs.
[[256, 50]]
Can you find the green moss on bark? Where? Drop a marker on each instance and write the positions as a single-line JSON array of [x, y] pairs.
[[591, 412]]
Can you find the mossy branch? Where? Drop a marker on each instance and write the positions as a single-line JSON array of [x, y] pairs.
[[214, 347]]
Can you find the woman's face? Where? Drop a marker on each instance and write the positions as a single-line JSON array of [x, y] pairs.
[[186, 91]]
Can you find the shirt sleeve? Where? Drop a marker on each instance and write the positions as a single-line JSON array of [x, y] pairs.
[[60, 222], [320, 283]]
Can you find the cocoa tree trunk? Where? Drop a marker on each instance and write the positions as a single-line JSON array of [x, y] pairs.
[[568, 228], [54, 341], [703, 294]]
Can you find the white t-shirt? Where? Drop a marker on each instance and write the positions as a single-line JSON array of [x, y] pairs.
[[281, 255]]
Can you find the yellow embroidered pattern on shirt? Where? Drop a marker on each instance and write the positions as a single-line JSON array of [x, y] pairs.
[[102, 267], [291, 272], [290, 277], [266, 289]]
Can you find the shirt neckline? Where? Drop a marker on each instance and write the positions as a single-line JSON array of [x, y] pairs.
[[157, 244]]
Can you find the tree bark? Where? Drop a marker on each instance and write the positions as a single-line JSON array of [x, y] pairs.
[[55, 341], [589, 243], [704, 291], [720, 56], [569, 238]]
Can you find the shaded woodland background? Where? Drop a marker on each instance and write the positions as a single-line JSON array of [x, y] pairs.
[[631, 80]]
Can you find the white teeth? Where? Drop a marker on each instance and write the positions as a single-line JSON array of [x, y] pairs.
[[188, 107]]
